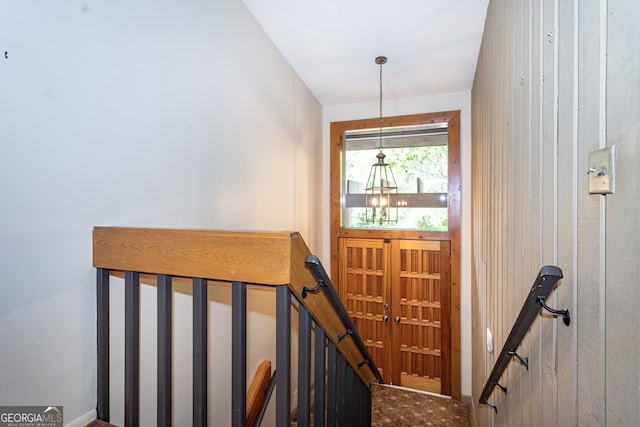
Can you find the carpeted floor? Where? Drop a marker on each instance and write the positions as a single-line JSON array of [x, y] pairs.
[[392, 406]]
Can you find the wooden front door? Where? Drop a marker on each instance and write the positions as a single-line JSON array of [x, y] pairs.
[[397, 293], [365, 292], [421, 338]]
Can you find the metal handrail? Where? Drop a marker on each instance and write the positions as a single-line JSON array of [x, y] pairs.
[[324, 283], [542, 287]]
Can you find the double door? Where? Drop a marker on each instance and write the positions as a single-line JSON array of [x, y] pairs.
[[397, 294]]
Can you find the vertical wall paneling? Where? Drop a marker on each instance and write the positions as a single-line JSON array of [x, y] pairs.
[[602, 291], [523, 247], [588, 319], [548, 201], [555, 81], [622, 226], [566, 205], [507, 197], [533, 189]]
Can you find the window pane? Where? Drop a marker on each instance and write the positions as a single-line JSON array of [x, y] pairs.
[[419, 165]]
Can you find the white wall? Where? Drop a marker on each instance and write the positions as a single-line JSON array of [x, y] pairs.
[[428, 104], [138, 113]]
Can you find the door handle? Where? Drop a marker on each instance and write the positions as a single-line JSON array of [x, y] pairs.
[[385, 318], [397, 319]]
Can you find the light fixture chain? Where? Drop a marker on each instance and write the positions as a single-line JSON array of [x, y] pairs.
[[381, 60], [380, 106]]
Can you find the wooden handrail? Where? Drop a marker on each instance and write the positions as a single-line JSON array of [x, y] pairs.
[[262, 258], [257, 391]]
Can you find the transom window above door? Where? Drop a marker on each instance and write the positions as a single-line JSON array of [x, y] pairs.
[[418, 158]]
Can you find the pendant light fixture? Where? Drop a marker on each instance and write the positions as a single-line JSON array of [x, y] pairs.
[[381, 194]]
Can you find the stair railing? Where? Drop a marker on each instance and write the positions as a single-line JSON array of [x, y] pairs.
[[545, 282], [343, 368]]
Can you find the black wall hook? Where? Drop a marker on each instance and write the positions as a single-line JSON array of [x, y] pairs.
[[503, 388], [347, 332], [364, 362], [566, 316], [543, 285], [306, 290], [523, 360]]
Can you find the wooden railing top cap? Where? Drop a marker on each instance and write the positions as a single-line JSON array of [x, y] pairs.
[[248, 256]]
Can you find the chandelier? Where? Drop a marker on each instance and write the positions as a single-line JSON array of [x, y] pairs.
[[381, 193]]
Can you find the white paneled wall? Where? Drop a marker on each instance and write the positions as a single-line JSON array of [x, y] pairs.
[[555, 81]]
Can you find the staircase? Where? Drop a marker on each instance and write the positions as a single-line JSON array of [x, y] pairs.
[[346, 382], [304, 301], [394, 407]]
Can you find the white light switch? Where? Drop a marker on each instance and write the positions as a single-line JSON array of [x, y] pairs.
[[602, 171]]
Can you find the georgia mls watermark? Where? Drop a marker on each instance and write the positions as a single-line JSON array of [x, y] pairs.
[[31, 416]]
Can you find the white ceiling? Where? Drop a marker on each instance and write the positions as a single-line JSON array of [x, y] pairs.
[[431, 45]]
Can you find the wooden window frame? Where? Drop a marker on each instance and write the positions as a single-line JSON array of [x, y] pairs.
[[452, 118]]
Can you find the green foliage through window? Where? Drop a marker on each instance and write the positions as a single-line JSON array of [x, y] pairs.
[[409, 164]]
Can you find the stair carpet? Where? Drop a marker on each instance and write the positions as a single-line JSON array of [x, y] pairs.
[[394, 406], [398, 407]]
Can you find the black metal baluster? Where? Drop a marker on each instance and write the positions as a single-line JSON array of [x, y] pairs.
[[304, 367], [131, 347], [239, 352], [342, 407], [365, 398], [360, 402], [367, 391], [200, 304], [313, 263], [319, 368], [357, 403], [349, 394], [283, 355], [102, 300], [332, 384], [165, 348]]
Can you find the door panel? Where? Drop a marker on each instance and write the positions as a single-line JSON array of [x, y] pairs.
[[364, 267], [397, 294], [420, 303]]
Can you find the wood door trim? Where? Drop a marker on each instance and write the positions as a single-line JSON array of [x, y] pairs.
[[445, 273], [454, 204]]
